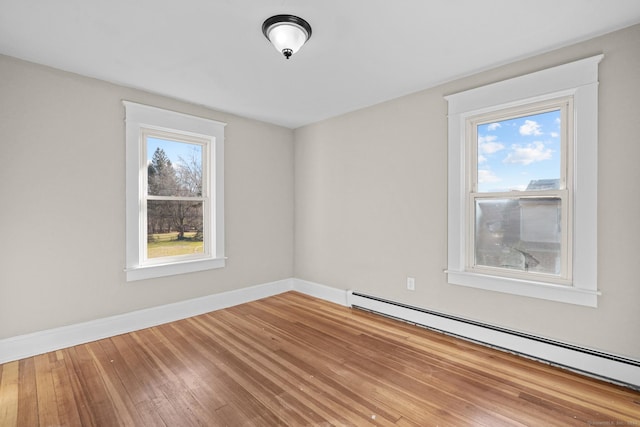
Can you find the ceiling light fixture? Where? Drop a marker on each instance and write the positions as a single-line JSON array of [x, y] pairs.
[[287, 33]]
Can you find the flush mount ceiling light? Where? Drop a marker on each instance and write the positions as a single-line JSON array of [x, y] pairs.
[[287, 33]]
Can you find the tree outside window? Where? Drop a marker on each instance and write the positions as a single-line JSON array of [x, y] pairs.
[[175, 202]]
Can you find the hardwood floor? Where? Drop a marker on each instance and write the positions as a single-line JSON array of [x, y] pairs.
[[292, 360]]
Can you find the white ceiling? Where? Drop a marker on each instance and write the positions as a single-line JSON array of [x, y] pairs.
[[362, 52]]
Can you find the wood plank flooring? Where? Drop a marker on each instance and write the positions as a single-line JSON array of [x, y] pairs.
[[292, 360]]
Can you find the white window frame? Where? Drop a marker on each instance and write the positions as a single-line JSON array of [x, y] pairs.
[[142, 121], [576, 80]]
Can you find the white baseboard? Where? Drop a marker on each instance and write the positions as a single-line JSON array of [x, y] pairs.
[[28, 345], [327, 293], [19, 347], [594, 363], [614, 368]]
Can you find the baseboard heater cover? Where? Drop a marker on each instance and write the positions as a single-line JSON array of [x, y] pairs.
[[594, 363]]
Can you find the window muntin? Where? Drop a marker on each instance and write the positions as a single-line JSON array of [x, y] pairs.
[[518, 194], [176, 197]]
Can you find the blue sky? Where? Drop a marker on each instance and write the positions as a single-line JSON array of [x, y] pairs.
[[513, 152], [174, 150]]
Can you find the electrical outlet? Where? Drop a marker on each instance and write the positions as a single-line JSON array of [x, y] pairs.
[[411, 283]]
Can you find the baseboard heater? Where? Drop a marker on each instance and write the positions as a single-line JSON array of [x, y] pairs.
[[594, 363]]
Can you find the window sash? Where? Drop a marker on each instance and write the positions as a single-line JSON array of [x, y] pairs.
[[185, 138], [564, 193], [563, 278], [564, 104], [144, 238]]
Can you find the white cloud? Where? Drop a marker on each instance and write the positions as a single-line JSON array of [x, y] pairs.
[[528, 154], [530, 127], [494, 126], [489, 138], [555, 134], [481, 158], [488, 145], [485, 175]]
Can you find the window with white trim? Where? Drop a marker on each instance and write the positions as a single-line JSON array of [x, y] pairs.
[[523, 185], [175, 211]]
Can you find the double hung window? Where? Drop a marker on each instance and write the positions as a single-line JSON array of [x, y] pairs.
[[523, 185], [519, 196], [175, 213], [176, 198]]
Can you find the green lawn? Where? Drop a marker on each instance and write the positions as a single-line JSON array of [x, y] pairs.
[[167, 244]]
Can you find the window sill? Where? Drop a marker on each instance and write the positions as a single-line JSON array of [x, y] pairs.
[[527, 288], [162, 270]]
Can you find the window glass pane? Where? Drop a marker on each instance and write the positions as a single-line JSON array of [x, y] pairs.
[[174, 168], [522, 153], [174, 228], [520, 234]]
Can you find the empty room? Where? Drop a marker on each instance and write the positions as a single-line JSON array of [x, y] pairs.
[[295, 213]]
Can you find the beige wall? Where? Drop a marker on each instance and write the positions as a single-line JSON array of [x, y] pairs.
[[62, 202], [371, 205]]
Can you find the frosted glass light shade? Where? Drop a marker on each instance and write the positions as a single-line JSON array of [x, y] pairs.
[[286, 36], [287, 33]]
